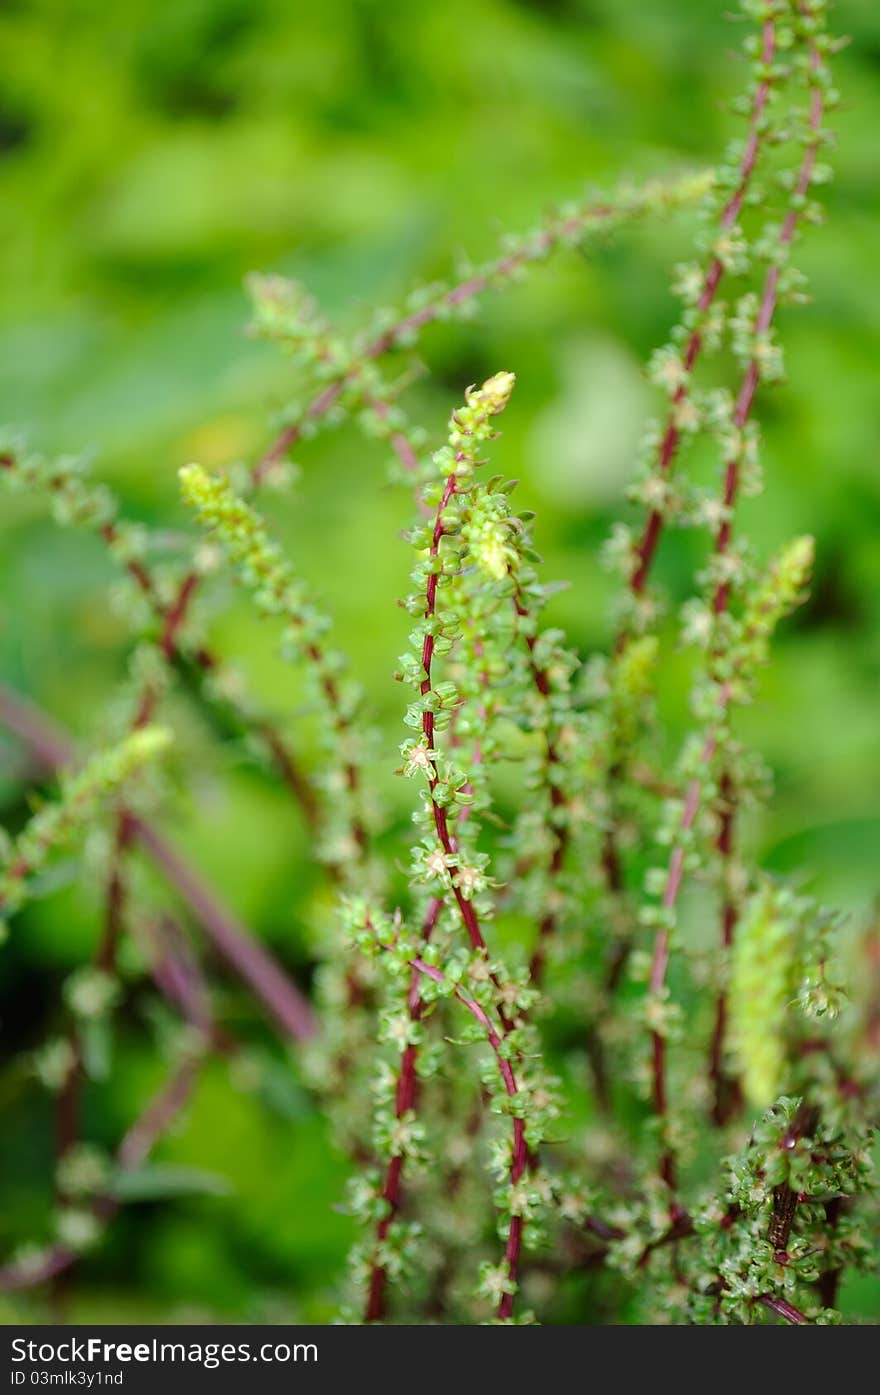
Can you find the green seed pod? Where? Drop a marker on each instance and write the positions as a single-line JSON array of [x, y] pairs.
[[762, 986]]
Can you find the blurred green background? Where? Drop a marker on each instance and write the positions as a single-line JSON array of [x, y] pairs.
[[151, 154]]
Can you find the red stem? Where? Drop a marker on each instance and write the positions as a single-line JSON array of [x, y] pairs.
[[745, 400], [520, 1160], [407, 1081], [408, 325], [441, 823], [561, 832], [404, 1100], [666, 452], [645, 550], [172, 619], [164, 1108], [250, 960], [177, 975], [134, 1149], [67, 1107], [726, 1089], [727, 1093], [782, 1308]]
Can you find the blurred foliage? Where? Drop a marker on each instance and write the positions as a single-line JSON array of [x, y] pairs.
[[153, 153]]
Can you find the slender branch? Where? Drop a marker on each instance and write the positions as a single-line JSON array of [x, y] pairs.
[[681, 1229], [520, 1160], [405, 1097], [720, 601], [404, 1101], [466, 907], [782, 1308], [233, 717], [67, 1108], [727, 1092], [291, 774], [667, 450], [660, 957], [246, 956], [41, 737], [135, 1148], [557, 231], [207, 663], [727, 1095], [172, 618], [669, 442], [158, 1116], [177, 974], [179, 981], [250, 960], [136, 570], [277, 592], [829, 1279], [560, 830]]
